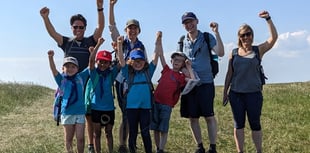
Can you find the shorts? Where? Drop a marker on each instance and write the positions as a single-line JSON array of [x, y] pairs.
[[103, 117], [72, 119], [198, 102], [161, 117]]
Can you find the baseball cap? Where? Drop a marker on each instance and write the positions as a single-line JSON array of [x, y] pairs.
[[187, 16], [133, 22], [179, 54], [136, 54], [104, 55], [72, 60]]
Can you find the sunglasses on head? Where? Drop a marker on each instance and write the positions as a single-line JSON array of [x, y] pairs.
[[80, 27], [248, 34]]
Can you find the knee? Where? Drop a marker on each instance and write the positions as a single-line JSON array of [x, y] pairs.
[[255, 126]]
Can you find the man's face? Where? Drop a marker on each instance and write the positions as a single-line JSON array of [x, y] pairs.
[[190, 25]]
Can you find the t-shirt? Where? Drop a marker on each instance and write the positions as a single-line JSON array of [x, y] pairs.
[[139, 95], [169, 87], [103, 97], [78, 49], [78, 107]]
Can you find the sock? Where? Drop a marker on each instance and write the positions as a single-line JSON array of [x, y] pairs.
[[90, 145], [213, 147]]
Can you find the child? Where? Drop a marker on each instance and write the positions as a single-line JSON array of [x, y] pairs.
[[138, 74], [167, 93], [71, 85], [99, 89]]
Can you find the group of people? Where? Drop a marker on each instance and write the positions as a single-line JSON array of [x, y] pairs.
[[89, 78]]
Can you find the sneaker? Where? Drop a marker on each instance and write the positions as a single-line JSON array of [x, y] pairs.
[[122, 149], [211, 151], [91, 149], [160, 151], [200, 150]]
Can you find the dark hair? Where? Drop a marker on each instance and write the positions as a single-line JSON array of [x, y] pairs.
[[78, 17]]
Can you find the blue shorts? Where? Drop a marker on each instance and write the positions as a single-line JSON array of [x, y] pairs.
[[103, 117], [249, 104], [72, 119], [161, 117], [198, 102]]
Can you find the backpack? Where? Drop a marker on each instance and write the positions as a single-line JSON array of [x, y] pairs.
[[58, 100], [263, 77], [213, 57]]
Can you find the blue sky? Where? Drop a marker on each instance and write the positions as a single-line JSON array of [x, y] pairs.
[[25, 41]]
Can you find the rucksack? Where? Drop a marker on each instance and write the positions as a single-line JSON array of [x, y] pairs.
[[213, 57], [263, 77], [58, 100]]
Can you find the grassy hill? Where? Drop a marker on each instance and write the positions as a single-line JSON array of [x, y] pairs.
[[27, 125]]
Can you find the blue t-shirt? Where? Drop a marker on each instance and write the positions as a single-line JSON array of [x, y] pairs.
[[139, 95], [103, 98], [78, 107], [198, 53]]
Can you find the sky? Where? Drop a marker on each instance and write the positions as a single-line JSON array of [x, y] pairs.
[[25, 41]]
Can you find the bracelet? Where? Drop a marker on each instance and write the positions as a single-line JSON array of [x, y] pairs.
[[100, 9], [268, 18]]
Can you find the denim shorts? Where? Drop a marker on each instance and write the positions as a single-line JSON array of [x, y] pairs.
[[161, 117], [72, 119]]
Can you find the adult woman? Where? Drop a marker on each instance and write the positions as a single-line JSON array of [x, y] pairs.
[[243, 79]]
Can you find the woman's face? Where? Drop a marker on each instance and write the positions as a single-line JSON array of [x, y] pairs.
[[132, 32], [246, 37]]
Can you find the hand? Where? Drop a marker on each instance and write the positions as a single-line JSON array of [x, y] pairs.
[[50, 53], [113, 2], [159, 34], [99, 4], [225, 100], [264, 14], [188, 63], [44, 12], [100, 40], [91, 49], [214, 26], [120, 39]]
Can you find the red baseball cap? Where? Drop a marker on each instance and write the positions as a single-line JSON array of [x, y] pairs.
[[104, 55]]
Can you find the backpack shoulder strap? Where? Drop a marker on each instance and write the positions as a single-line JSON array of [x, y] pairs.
[[207, 39], [256, 50]]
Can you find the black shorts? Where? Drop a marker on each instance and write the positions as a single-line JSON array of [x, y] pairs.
[[103, 117], [198, 102]]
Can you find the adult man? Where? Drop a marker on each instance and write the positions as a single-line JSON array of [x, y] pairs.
[[199, 101]]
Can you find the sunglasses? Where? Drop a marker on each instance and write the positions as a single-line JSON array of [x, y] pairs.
[[78, 27], [248, 34]]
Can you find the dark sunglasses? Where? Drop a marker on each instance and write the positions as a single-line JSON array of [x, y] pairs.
[[80, 27], [248, 34]]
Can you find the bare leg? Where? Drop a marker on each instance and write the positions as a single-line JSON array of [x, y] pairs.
[[97, 137], [109, 137], [157, 139], [80, 137], [212, 129], [196, 131], [90, 131], [163, 140], [239, 139], [68, 135], [257, 139]]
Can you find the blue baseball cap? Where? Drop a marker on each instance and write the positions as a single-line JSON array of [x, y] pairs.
[[136, 54], [188, 16]]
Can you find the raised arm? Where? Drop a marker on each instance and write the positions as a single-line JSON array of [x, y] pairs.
[[112, 25], [100, 26], [120, 54], [50, 54], [268, 44], [219, 48], [44, 12], [93, 52], [158, 52]]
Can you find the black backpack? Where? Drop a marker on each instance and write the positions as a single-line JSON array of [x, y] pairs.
[[213, 57], [263, 77]]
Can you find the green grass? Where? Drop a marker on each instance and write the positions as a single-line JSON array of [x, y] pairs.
[[27, 125]]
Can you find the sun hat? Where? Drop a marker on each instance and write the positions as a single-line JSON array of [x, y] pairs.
[[104, 55], [72, 60]]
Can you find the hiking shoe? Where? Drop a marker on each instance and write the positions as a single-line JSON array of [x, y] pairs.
[[122, 149], [91, 149], [200, 150], [211, 151], [159, 151]]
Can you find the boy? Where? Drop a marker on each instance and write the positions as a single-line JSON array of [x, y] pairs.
[[167, 93]]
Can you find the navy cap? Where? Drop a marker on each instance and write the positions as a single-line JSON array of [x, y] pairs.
[[187, 16]]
